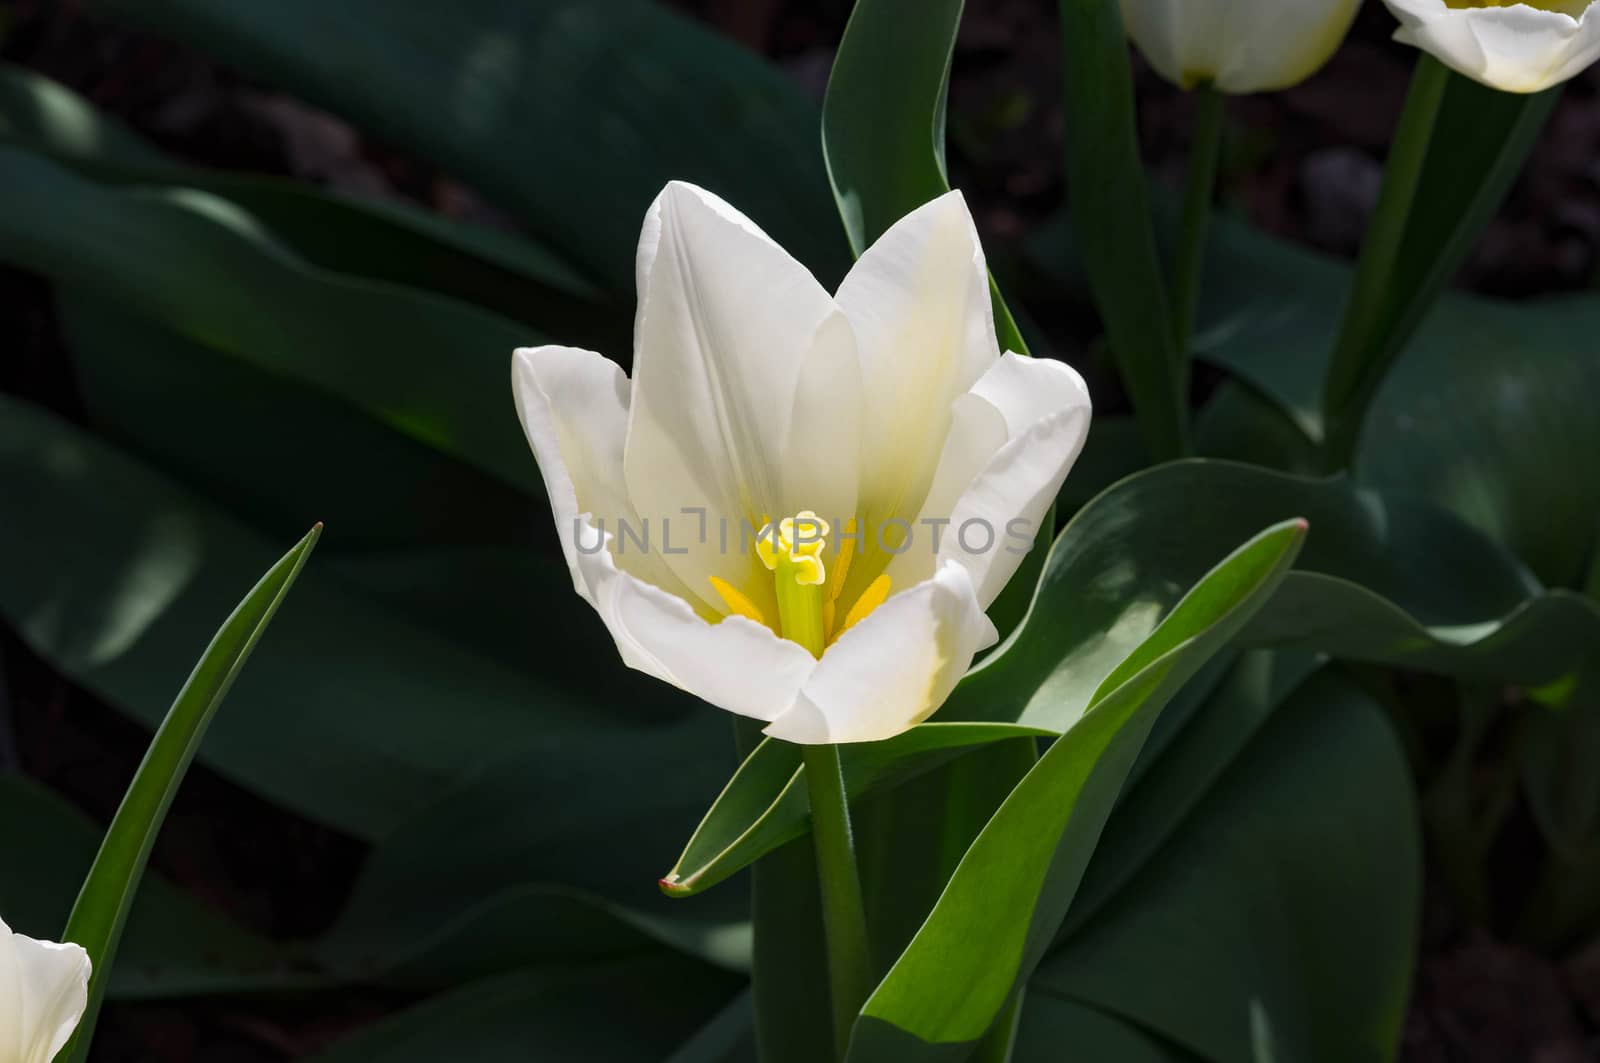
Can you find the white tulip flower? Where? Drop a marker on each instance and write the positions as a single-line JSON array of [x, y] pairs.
[[1513, 47], [44, 988], [1239, 46], [801, 505]]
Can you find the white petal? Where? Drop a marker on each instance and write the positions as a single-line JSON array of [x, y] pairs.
[[892, 670], [44, 988], [918, 302], [1241, 45], [734, 664], [1157, 27], [1514, 49], [574, 410], [1046, 409], [728, 326], [1274, 44]]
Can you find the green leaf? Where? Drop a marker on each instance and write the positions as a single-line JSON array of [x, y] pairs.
[[1479, 140], [382, 492], [1049, 1022], [1014, 883], [728, 1038], [1289, 897], [547, 108], [208, 271], [101, 912], [461, 864], [379, 239], [883, 122], [1192, 747], [1110, 209], [1478, 373], [764, 804], [128, 573], [639, 1009]]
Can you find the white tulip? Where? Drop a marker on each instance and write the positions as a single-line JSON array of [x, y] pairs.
[[1526, 47], [1239, 46], [794, 456], [44, 988]]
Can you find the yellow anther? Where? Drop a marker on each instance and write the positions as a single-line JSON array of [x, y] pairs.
[[876, 594], [738, 601]]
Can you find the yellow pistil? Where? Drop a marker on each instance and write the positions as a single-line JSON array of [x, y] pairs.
[[792, 552], [807, 589]]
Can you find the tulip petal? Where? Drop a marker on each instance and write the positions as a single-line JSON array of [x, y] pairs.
[[1241, 46], [1276, 45], [44, 988], [1020, 429], [574, 410], [1514, 49], [918, 302], [733, 663], [894, 669], [731, 338]]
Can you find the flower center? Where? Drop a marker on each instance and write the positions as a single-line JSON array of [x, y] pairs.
[[807, 588]]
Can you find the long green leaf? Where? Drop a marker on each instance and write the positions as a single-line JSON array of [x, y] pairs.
[[1289, 898], [1015, 882], [1486, 415], [379, 239], [548, 108], [131, 570], [764, 804], [642, 1008], [1479, 140], [208, 271], [1110, 209], [883, 122], [102, 908]]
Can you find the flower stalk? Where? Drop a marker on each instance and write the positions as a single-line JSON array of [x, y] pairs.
[[1199, 188], [1352, 380], [843, 911]]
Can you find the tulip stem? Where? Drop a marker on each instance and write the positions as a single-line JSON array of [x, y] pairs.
[[1199, 188], [843, 912], [1353, 373]]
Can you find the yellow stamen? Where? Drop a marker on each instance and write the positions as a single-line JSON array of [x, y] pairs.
[[841, 564], [738, 601], [876, 594]]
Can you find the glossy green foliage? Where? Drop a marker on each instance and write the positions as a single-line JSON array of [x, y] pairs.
[[106, 898], [542, 106], [1110, 210]]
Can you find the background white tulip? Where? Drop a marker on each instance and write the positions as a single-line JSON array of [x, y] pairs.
[[1240, 46], [1525, 47], [44, 987], [757, 396]]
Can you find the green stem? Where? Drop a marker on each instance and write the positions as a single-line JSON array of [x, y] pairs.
[[1351, 381], [1197, 193], [844, 916]]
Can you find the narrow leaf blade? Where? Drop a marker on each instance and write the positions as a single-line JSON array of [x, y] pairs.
[[102, 908]]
